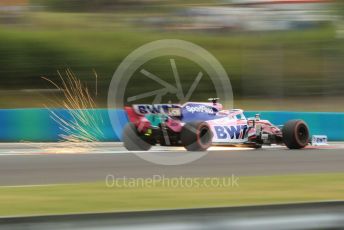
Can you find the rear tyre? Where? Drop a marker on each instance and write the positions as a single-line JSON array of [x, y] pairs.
[[132, 139], [295, 134], [196, 136]]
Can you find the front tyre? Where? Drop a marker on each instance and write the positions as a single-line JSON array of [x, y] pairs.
[[132, 140], [295, 134], [196, 136]]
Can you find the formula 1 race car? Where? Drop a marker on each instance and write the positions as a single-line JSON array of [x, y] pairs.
[[197, 126]]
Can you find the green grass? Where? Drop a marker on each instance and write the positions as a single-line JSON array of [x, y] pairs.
[[97, 197]]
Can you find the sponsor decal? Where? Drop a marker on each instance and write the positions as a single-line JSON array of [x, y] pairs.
[[197, 108], [154, 109], [318, 140], [231, 132]]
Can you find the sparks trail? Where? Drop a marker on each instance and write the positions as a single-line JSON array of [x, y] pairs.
[[84, 125]]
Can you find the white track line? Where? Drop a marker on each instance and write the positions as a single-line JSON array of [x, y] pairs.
[[63, 149], [31, 185]]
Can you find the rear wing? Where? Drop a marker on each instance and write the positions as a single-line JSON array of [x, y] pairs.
[[132, 116]]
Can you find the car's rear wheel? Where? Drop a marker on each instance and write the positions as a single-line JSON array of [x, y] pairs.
[[196, 136], [133, 140], [295, 134]]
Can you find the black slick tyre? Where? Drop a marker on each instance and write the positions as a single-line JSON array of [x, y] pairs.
[[295, 134], [196, 136]]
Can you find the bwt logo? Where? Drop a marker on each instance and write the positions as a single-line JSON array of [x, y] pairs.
[[200, 109], [231, 132], [154, 109]]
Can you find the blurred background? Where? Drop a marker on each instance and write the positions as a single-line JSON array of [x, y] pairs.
[[280, 55]]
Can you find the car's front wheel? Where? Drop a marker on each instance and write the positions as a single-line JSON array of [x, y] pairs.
[[295, 134]]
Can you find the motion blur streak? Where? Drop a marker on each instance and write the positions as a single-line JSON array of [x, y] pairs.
[[29, 163], [280, 55], [322, 215]]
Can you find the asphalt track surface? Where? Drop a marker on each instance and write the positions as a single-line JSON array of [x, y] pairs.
[[40, 164]]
